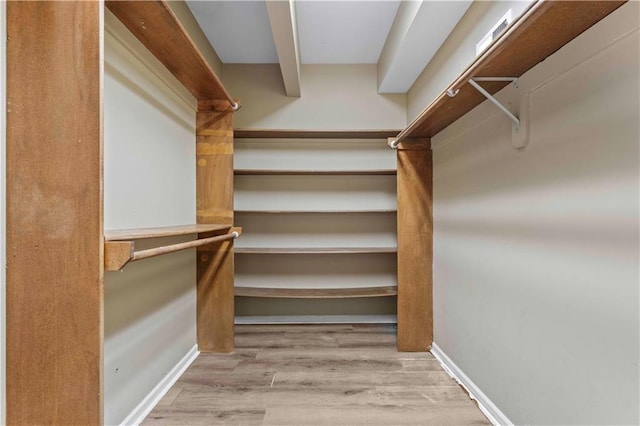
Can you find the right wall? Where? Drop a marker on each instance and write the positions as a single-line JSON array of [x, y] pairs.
[[536, 276]]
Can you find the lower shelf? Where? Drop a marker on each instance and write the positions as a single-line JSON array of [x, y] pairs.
[[316, 293]]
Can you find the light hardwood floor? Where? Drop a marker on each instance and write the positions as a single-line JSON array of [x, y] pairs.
[[316, 375]]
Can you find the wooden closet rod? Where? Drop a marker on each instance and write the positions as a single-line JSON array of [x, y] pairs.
[[157, 251], [117, 254]]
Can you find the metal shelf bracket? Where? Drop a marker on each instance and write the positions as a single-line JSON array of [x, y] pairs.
[[489, 96], [520, 126]]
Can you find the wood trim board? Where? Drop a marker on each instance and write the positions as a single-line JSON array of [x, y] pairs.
[[54, 235]]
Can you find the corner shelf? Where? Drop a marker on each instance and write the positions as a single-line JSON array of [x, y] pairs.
[[274, 172], [308, 293], [543, 29], [314, 250]]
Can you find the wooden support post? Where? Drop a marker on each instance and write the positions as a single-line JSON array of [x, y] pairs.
[[214, 198], [54, 213], [415, 246]]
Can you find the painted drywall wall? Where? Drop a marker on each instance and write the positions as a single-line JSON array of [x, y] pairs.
[[333, 97], [536, 252], [3, 258], [149, 180], [458, 51]]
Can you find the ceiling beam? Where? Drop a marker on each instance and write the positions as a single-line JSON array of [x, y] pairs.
[[418, 31], [282, 16]]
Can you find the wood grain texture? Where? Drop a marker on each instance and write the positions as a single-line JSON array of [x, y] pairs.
[[415, 246], [546, 29], [54, 291], [214, 204], [315, 134], [157, 27], [316, 374], [165, 231], [316, 293], [117, 254]]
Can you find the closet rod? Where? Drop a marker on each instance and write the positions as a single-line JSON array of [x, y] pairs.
[[157, 251]]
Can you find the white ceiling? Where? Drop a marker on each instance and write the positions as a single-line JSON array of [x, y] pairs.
[[343, 32], [239, 31], [333, 32]]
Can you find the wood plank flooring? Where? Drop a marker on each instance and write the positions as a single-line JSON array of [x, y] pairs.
[[316, 375]]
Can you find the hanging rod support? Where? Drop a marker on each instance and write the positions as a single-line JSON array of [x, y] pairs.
[[473, 82]]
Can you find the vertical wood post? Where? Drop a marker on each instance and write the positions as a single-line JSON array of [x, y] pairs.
[[54, 213], [415, 246], [214, 198]]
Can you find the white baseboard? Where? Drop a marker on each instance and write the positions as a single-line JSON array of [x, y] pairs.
[[317, 319], [489, 409], [151, 400]]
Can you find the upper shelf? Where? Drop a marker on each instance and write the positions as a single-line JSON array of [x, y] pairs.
[[314, 134], [543, 29], [166, 231], [158, 28]]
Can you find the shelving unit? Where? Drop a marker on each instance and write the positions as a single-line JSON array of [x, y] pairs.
[[308, 217]]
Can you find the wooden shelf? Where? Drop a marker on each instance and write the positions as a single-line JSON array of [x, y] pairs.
[[305, 293], [315, 250], [272, 172], [315, 134], [537, 34], [167, 231], [315, 211], [158, 28]]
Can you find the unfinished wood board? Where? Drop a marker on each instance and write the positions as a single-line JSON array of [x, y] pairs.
[[214, 204], [549, 26], [315, 134], [165, 231], [158, 28], [316, 293], [316, 374], [54, 213], [415, 247]]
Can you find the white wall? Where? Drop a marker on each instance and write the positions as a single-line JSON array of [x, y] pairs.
[[3, 259], [458, 51], [149, 180], [333, 97], [536, 270]]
